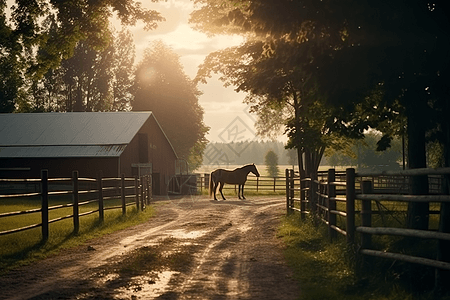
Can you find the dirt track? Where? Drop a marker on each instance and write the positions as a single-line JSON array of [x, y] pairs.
[[193, 248]]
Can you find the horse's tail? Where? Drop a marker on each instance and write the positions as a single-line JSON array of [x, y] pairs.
[[211, 184]]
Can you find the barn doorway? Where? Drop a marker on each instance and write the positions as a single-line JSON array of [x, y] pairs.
[[156, 180]]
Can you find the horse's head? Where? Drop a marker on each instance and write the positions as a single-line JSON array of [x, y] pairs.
[[254, 170]]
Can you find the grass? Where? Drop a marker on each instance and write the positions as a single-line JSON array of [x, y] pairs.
[[27, 246], [331, 270]]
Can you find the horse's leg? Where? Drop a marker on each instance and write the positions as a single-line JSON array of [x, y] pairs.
[[216, 183], [220, 190], [239, 191], [242, 191]]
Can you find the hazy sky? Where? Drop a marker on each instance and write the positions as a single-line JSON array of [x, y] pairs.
[[225, 113]]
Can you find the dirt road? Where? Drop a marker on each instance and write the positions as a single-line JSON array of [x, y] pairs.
[[194, 248]]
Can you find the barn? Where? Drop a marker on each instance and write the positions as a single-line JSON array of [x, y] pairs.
[[130, 143]]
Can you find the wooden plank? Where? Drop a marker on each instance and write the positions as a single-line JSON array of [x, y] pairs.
[[44, 204], [424, 234], [411, 172], [407, 258], [404, 198], [19, 229], [16, 213]]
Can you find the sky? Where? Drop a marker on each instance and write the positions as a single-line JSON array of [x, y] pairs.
[[225, 113]]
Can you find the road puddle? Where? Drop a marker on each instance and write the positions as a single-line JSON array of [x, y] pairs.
[[146, 287], [183, 234]]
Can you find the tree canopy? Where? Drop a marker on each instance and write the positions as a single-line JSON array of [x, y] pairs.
[[161, 86], [36, 36], [378, 64]]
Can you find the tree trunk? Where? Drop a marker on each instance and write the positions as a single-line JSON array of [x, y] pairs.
[[443, 276], [418, 213], [78, 100]]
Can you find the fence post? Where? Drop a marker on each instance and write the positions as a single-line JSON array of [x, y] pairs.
[[141, 186], [303, 198], [207, 181], [331, 203], [122, 194], [366, 214], [75, 197], [274, 183], [147, 190], [350, 205], [442, 277], [136, 191], [288, 209], [150, 188], [101, 212], [312, 194], [291, 189], [44, 204]]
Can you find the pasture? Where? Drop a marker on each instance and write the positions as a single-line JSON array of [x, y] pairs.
[[56, 215], [27, 246]]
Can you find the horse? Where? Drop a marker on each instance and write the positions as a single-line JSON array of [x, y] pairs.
[[237, 176]]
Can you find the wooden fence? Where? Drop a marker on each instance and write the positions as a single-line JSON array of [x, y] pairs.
[[339, 199], [254, 184], [131, 191]]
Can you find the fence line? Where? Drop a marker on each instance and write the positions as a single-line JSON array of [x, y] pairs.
[[139, 191], [253, 183], [320, 195]]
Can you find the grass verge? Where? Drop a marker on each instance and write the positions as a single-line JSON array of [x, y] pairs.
[[25, 247], [328, 270]]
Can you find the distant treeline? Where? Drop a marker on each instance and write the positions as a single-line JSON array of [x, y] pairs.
[[246, 152], [361, 154]]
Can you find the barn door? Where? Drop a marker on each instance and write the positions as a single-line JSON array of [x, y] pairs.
[[156, 180]]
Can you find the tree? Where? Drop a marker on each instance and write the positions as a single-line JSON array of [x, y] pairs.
[[364, 154], [91, 80], [356, 49], [41, 34], [123, 70], [11, 78], [276, 74], [271, 162], [162, 87]]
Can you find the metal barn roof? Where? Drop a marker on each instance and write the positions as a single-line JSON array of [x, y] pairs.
[[75, 128], [73, 134]]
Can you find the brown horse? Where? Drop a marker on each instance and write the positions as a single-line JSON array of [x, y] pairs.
[[237, 176]]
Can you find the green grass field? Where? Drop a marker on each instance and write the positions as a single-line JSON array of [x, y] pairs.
[[27, 246], [331, 270]]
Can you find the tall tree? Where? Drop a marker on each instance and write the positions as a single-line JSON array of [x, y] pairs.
[[161, 86], [277, 77], [11, 78], [271, 161], [124, 54], [91, 80], [355, 48], [40, 34]]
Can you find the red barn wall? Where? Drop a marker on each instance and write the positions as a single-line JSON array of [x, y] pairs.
[[159, 153], [60, 167]]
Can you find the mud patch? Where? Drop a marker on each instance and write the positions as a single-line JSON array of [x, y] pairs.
[[143, 273], [146, 287]]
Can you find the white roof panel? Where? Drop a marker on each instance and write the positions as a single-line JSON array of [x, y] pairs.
[[73, 128]]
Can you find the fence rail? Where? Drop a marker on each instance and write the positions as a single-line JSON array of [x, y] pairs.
[[253, 183], [131, 191], [339, 199]]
